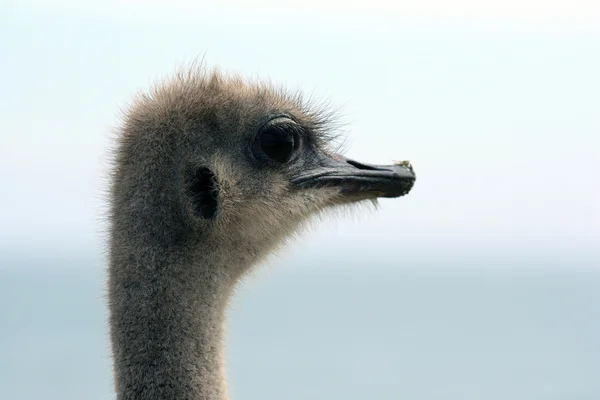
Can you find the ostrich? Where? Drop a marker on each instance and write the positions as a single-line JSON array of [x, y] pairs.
[[211, 173]]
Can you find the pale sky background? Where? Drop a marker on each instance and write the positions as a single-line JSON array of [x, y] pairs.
[[497, 103]]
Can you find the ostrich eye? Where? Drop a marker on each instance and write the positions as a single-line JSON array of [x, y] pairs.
[[279, 140]]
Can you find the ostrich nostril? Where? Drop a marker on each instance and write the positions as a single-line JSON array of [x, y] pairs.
[[358, 165]]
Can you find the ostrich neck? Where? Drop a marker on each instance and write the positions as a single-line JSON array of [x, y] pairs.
[[166, 318]]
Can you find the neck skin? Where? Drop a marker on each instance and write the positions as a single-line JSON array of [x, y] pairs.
[[166, 315]]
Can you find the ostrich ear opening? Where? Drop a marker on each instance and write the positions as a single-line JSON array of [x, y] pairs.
[[204, 193]]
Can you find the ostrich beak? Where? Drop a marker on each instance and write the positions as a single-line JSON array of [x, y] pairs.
[[356, 178]]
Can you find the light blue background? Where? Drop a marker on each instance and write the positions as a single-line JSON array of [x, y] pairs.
[[482, 283]]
